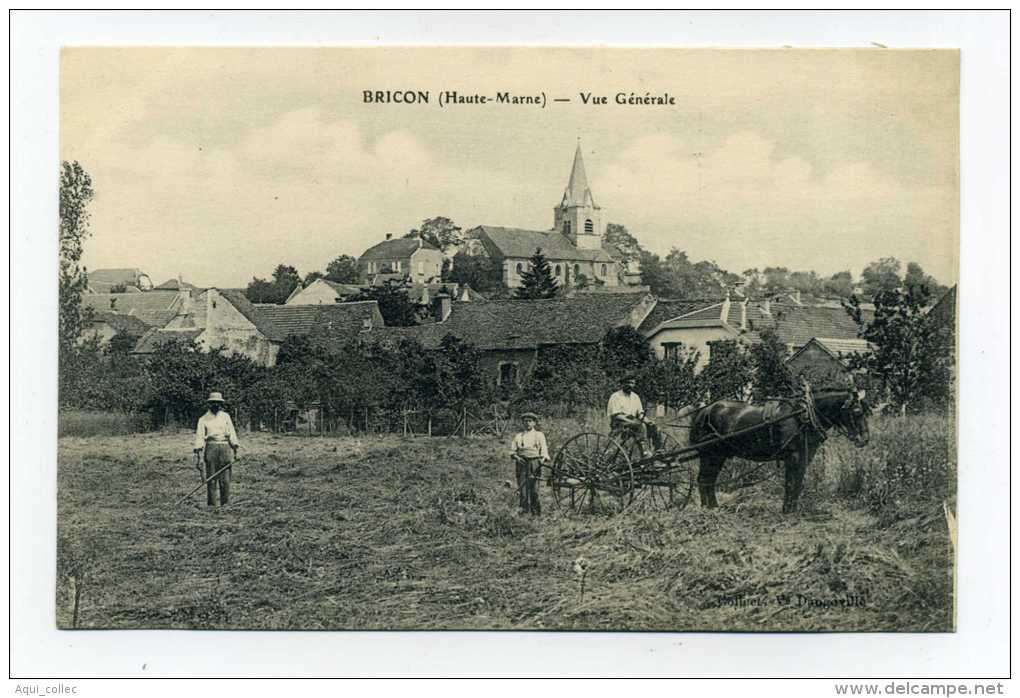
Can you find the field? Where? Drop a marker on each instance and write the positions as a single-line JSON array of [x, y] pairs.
[[399, 533]]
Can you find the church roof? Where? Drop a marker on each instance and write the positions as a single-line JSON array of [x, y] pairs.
[[520, 243], [578, 193]]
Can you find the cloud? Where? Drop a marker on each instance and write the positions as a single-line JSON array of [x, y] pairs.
[[301, 190], [742, 206]]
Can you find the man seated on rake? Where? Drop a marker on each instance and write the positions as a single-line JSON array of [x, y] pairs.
[[627, 416]]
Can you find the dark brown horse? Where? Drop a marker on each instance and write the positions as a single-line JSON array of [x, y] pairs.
[[793, 439]]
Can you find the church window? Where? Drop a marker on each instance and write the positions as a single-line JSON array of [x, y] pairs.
[[519, 268], [605, 270], [557, 270], [589, 227], [566, 227]]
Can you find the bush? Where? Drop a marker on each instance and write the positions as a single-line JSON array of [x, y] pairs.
[[96, 423]]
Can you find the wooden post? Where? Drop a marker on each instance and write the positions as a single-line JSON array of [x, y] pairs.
[[430, 424], [463, 424], [366, 419]]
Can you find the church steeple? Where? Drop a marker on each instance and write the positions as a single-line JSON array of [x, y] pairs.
[[578, 216], [578, 193]]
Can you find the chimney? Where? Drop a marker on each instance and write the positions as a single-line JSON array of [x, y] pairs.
[[185, 307], [389, 236], [443, 307]]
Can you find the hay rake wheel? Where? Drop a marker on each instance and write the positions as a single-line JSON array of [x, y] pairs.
[[667, 479], [592, 472]]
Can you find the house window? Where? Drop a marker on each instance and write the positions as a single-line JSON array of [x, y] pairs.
[[396, 265], [518, 267], [605, 270], [670, 350], [577, 270], [557, 270], [508, 373], [371, 267], [566, 227], [589, 227]]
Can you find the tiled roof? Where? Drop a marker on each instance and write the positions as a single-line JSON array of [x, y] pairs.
[[513, 324], [842, 347], [174, 285], [278, 322], [155, 337], [114, 276], [128, 324], [342, 289], [155, 308], [670, 309], [398, 248], [796, 325], [517, 242]]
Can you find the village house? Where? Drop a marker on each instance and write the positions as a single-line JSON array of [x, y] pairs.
[[129, 280], [510, 333], [154, 308], [325, 291], [574, 246], [398, 259], [226, 320], [825, 360], [104, 326], [693, 324]]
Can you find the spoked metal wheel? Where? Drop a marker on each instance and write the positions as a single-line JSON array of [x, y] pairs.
[[674, 483], [668, 480], [592, 473]]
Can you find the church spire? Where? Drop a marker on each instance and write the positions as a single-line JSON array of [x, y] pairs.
[[578, 193]]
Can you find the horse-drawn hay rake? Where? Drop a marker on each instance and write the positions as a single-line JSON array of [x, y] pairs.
[[598, 472]]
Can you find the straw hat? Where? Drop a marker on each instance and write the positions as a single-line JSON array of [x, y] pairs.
[[215, 397], [529, 415]]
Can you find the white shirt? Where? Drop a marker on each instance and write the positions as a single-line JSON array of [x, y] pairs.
[[215, 427], [530, 444], [627, 405]]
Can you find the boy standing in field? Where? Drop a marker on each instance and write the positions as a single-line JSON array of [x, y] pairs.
[[529, 451], [216, 436]]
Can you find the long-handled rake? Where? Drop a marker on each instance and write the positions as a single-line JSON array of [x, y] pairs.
[[206, 481]]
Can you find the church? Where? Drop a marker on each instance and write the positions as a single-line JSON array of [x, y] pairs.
[[574, 246]]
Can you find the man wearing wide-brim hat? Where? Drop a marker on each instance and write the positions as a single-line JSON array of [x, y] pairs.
[[217, 437], [529, 451]]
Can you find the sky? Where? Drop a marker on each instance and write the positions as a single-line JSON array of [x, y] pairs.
[[217, 164]]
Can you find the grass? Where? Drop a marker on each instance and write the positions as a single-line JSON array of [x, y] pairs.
[[393, 533], [99, 423]]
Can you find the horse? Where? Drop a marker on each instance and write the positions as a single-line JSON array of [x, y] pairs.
[[800, 426]]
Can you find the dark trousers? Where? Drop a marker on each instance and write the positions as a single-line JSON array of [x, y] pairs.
[[644, 431], [528, 472], [217, 455]]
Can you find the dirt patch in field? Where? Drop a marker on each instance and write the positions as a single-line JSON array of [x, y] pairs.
[[388, 532]]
